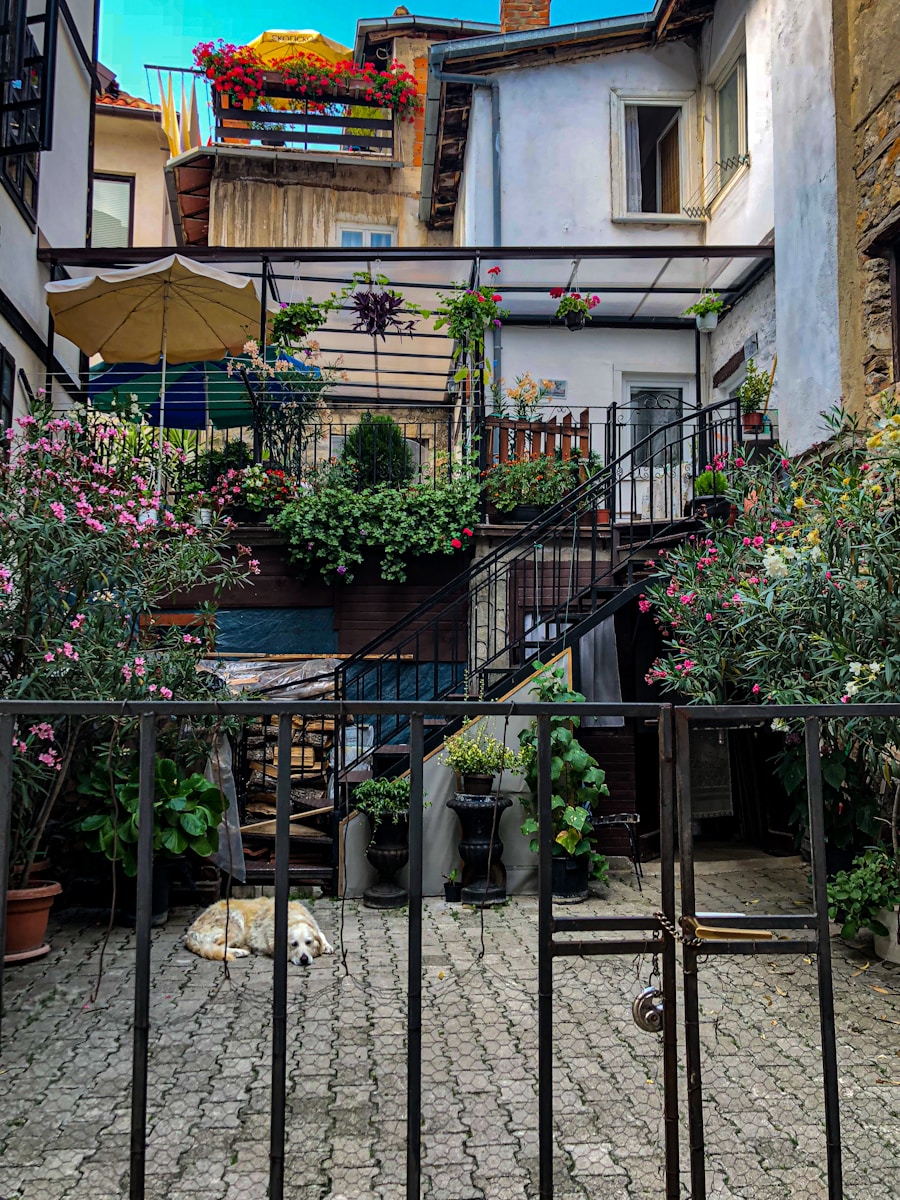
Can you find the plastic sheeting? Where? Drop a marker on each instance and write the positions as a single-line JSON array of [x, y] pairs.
[[271, 679], [255, 631], [219, 770], [599, 663]]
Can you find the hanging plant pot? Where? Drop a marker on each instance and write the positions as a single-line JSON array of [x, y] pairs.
[[752, 421], [574, 320], [570, 879], [27, 915], [707, 322]]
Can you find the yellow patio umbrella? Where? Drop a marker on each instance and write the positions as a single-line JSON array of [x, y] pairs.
[[286, 43], [172, 310]]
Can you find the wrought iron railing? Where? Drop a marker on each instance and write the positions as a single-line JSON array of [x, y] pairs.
[[543, 579], [341, 122]]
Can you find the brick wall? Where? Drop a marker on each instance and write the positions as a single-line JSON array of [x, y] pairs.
[[516, 15]]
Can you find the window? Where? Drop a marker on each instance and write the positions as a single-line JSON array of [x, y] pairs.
[[7, 387], [373, 236], [650, 410], [112, 222], [20, 126], [731, 123], [652, 169]]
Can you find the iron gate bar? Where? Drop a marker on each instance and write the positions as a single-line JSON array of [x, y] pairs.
[[823, 961], [665, 735], [691, 1000], [7, 729], [563, 924], [143, 913], [764, 948], [760, 920], [280, 961], [414, 961], [586, 949], [545, 961]]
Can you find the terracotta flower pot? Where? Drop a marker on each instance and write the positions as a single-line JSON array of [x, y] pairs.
[[753, 420], [27, 914]]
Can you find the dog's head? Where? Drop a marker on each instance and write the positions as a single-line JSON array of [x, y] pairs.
[[304, 943]]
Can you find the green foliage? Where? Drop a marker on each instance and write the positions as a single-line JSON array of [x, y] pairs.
[[296, 321], [798, 603], [754, 390], [709, 302], [473, 751], [187, 811], [542, 481], [860, 894], [574, 302], [467, 313], [375, 452], [332, 526], [711, 483], [578, 779], [382, 800]]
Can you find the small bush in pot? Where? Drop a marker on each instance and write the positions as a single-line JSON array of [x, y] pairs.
[[866, 893], [578, 782], [383, 800], [753, 394], [386, 803], [476, 757]]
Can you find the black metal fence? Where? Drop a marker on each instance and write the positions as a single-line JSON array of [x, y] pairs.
[[676, 922]]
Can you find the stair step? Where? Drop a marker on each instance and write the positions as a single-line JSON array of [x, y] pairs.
[[391, 750]]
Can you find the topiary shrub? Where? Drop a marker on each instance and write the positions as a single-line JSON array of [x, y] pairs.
[[375, 452]]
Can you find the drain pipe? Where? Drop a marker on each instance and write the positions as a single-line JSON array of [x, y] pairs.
[[475, 81]]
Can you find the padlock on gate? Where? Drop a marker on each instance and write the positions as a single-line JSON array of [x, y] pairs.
[[647, 1010]]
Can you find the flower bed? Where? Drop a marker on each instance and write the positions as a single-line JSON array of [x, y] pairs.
[[236, 72]]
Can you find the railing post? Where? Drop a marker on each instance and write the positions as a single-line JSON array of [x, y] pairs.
[[141, 1036], [545, 962], [7, 727], [414, 961], [280, 958]]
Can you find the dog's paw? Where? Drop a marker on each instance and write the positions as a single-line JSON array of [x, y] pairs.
[[237, 952], [327, 947]]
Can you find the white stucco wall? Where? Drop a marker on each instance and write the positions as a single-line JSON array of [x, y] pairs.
[[62, 192], [556, 150], [805, 203], [598, 363], [745, 211]]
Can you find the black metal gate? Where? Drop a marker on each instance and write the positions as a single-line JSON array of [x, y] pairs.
[[699, 934]]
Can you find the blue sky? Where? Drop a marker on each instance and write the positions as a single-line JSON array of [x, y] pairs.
[[134, 32]]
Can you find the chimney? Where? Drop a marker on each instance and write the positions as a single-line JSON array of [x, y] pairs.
[[518, 15]]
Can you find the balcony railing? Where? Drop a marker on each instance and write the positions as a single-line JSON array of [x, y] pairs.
[[342, 122]]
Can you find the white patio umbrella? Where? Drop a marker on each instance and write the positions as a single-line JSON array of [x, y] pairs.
[[171, 309]]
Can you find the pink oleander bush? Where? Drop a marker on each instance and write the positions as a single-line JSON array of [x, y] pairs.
[[88, 552]]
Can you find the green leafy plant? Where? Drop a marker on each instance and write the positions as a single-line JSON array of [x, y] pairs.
[[577, 778], [709, 302], [382, 800], [467, 313], [523, 400], [473, 751], [711, 483], [187, 811], [860, 894], [573, 302], [375, 452], [754, 391], [296, 321], [331, 527], [541, 481]]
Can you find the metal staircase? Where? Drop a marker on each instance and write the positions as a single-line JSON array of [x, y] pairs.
[[538, 589]]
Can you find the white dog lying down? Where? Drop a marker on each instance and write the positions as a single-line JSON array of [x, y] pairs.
[[251, 929]]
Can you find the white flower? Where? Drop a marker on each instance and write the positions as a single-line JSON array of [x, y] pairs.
[[851, 689], [779, 725], [875, 668], [855, 668], [774, 565]]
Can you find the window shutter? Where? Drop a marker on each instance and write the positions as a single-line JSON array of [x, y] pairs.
[[112, 212]]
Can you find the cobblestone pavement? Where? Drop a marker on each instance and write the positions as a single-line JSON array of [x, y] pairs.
[[64, 1091]]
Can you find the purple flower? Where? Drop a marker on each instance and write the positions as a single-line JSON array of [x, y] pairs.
[[342, 570], [497, 322]]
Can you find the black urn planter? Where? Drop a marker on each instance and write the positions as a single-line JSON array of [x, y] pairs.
[[524, 514], [388, 851], [477, 848], [242, 514], [570, 879], [709, 508], [574, 320], [126, 896]]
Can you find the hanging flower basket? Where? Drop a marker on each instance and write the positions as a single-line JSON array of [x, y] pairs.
[[573, 308]]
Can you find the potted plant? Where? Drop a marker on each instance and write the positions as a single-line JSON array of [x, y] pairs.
[[187, 810], [453, 887], [477, 757], [753, 394], [578, 783], [294, 322], [375, 452], [868, 897], [467, 313], [378, 309], [386, 803], [523, 488], [710, 501], [706, 310], [573, 308]]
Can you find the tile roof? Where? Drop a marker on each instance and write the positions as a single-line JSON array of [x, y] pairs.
[[125, 100]]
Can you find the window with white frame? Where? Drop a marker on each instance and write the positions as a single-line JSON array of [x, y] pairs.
[[731, 122], [650, 161], [375, 237], [113, 211]]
